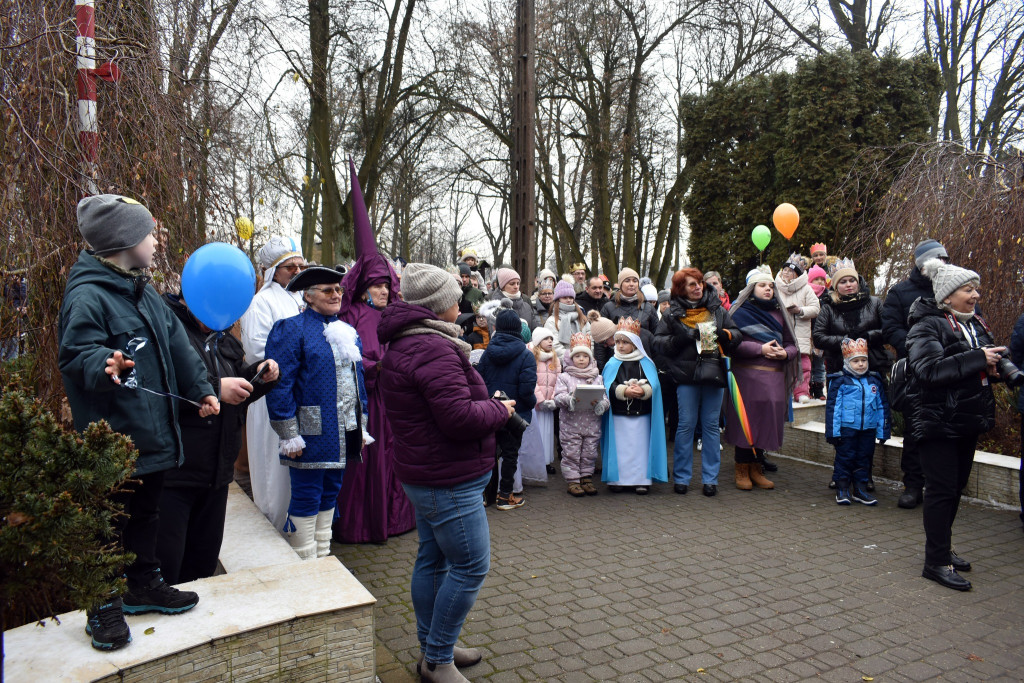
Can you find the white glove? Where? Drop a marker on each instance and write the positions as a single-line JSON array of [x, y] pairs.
[[600, 408], [572, 404], [293, 445], [549, 406]]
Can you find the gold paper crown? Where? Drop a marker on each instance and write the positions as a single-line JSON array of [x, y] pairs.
[[579, 339], [842, 264], [628, 325], [852, 348], [577, 266]]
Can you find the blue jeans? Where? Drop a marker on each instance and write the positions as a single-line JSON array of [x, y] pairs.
[[817, 369], [453, 560], [703, 402], [853, 455]]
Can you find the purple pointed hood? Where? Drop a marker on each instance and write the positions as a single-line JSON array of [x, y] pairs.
[[371, 267]]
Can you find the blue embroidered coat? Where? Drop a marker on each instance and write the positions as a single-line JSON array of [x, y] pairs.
[[320, 396]]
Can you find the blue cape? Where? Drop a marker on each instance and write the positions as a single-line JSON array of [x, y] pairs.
[[657, 455]]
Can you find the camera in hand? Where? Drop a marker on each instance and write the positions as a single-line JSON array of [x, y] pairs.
[[1008, 372], [516, 423]]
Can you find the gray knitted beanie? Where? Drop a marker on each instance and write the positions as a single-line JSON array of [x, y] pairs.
[[927, 250], [111, 223], [431, 287]]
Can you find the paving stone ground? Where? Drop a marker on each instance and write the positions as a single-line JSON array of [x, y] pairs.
[[779, 585]]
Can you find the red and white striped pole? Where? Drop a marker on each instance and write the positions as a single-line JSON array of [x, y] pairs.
[[88, 119]]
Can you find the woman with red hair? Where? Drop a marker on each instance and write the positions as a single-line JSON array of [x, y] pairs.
[[693, 335]]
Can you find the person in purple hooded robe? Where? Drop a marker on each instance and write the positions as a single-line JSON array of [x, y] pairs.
[[372, 504]]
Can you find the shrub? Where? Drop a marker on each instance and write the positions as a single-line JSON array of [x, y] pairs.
[[57, 544]]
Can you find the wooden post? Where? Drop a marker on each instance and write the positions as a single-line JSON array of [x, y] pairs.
[[524, 97]]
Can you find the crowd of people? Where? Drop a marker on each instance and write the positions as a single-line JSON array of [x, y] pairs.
[[373, 402]]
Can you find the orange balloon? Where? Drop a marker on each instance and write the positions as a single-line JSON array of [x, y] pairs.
[[786, 218]]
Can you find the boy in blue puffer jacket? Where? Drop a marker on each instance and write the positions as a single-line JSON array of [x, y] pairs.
[[856, 414], [508, 366]]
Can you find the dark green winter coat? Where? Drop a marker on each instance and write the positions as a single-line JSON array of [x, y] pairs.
[[103, 310]]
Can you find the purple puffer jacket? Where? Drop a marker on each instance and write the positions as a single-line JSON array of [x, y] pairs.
[[442, 420]]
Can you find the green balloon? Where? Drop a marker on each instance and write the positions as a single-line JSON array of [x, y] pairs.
[[761, 236]]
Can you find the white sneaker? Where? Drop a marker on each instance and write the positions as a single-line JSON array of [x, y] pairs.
[[804, 399]]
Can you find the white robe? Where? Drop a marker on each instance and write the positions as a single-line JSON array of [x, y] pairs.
[[538, 449], [271, 487], [632, 442]]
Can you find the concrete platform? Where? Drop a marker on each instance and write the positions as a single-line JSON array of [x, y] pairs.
[[995, 478], [271, 617]]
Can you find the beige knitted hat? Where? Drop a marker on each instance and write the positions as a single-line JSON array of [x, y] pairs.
[[431, 287]]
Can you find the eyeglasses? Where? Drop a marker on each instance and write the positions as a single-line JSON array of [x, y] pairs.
[[328, 290], [293, 266]]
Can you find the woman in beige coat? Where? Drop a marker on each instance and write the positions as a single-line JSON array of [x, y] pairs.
[[802, 307]]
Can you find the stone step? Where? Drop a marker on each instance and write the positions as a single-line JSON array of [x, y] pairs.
[[270, 617], [994, 477]]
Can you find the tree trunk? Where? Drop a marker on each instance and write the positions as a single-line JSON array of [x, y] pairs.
[[334, 247]]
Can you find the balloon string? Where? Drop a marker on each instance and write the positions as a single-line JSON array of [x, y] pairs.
[[161, 393]]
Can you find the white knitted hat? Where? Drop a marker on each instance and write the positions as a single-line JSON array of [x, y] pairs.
[[947, 278]]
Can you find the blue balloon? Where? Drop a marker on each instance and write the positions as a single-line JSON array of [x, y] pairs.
[[218, 283]]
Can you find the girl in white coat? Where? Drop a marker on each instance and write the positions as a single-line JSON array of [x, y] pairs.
[[802, 307]]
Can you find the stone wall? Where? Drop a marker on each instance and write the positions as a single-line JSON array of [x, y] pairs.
[[290, 621], [994, 477]]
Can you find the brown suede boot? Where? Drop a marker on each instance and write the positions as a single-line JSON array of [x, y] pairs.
[[743, 476], [757, 477]]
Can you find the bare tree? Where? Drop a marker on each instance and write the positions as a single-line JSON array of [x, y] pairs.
[[979, 47]]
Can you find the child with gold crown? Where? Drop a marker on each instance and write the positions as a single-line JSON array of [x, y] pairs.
[[633, 442], [579, 417], [856, 414]]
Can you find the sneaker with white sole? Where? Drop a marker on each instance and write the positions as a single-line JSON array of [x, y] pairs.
[[843, 493], [860, 493], [509, 501]]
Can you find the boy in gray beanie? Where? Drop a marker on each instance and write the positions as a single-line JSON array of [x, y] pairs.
[[110, 311]]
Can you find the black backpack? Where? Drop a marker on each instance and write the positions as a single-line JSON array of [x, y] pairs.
[[899, 378]]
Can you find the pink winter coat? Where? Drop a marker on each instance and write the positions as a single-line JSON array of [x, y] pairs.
[[547, 376]]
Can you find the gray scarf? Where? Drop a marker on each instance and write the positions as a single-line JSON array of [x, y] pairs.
[[449, 331], [567, 319]]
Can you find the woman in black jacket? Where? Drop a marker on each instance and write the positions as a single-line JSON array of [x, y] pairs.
[[951, 363], [194, 499], [697, 372], [849, 310]]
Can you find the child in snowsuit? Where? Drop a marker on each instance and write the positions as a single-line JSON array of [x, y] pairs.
[[633, 442], [857, 413], [579, 425]]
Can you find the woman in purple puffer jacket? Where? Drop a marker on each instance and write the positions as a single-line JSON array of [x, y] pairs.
[[444, 425]]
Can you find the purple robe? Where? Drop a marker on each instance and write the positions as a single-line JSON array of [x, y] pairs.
[[372, 504], [763, 387]]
